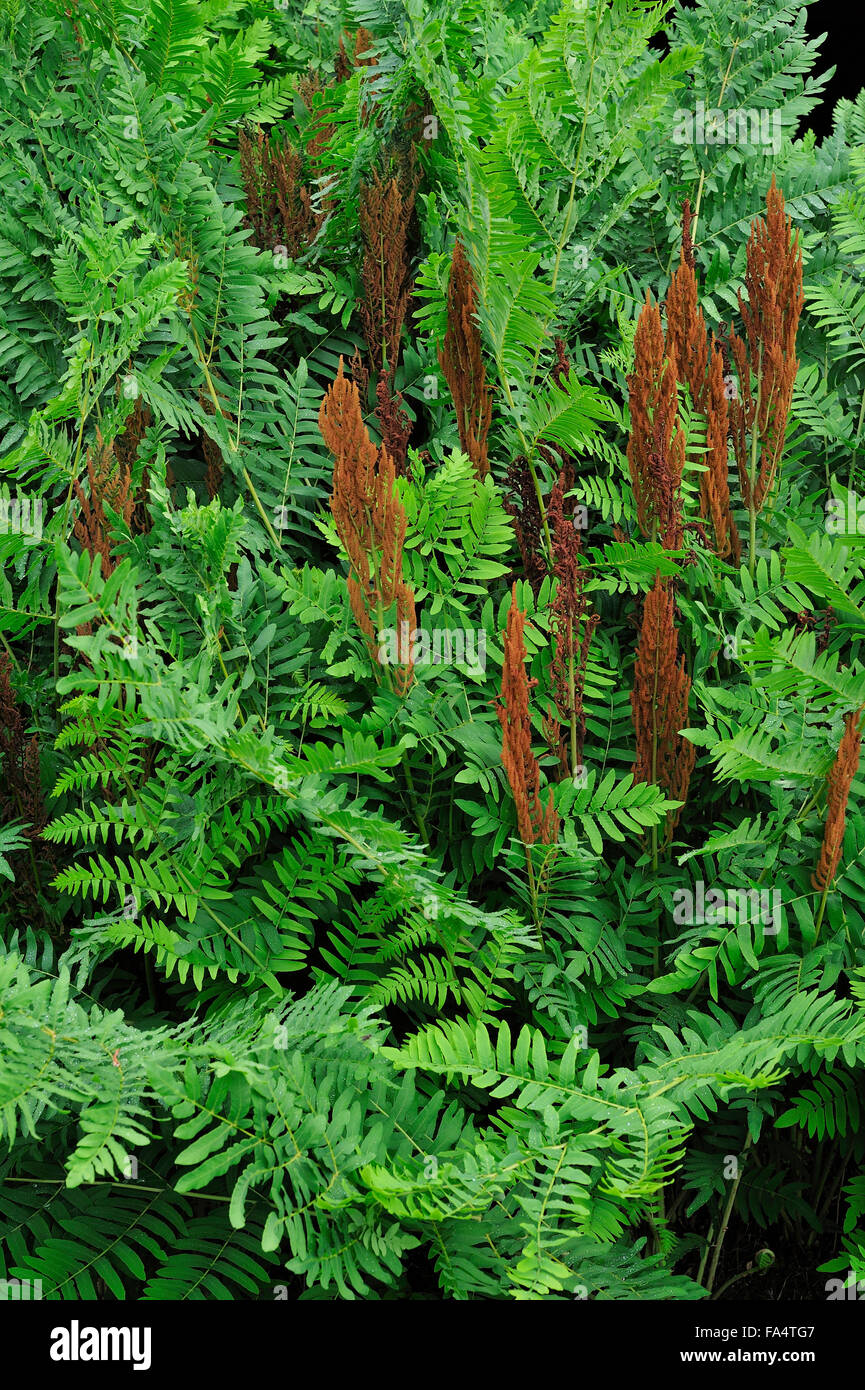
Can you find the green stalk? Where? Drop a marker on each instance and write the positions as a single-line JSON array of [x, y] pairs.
[[572, 698], [406, 766], [702, 182], [705, 1255], [822, 908], [725, 1221], [752, 506], [246, 478], [527, 451], [534, 893]]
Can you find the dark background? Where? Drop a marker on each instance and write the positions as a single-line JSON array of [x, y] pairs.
[[842, 48], [843, 23]]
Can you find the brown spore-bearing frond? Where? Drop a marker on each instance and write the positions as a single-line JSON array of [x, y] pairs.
[[765, 359], [461, 361], [309, 86], [360, 42], [714, 484], [395, 424], [535, 822], [320, 130], [568, 614], [360, 374], [385, 211], [520, 501], [214, 471], [126, 446], [693, 359], [840, 780], [371, 523], [279, 205], [659, 702], [109, 482], [656, 445], [687, 339], [250, 151], [128, 441], [561, 368]]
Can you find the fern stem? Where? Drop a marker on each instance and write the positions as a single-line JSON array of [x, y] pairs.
[[833, 1193], [752, 504], [570, 206], [541, 509], [752, 539], [384, 361], [705, 1255], [734, 1279], [702, 183], [566, 226], [572, 698], [244, 471], [9, 652], [412, 796], [406, 766], [533, 890], [76, 463], [725, 1221], [190, 886], [150, 978], [134, 1185], [818, 921]]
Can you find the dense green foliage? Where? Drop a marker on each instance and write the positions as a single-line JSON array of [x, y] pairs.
[[285, 1005]]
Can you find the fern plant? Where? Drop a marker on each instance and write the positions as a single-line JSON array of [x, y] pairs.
[[536, 970]]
